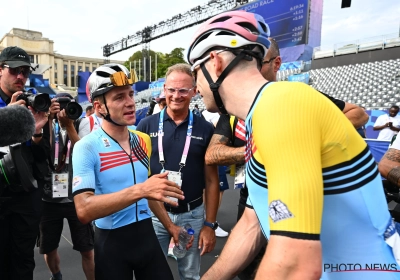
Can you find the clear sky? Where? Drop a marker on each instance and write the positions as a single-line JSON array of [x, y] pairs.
[[82, 27]]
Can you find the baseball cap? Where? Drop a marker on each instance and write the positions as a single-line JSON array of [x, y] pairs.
[[162, 96], [64, 94], [15, 57]]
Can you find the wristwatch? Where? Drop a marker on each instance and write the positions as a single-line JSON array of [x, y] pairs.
[[214, 226]]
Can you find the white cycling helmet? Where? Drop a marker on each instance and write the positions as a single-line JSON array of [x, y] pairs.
[[105, 78]]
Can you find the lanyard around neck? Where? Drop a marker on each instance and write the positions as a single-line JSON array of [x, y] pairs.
[[57, 145], [187, 142]]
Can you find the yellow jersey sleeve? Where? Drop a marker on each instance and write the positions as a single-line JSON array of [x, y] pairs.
[[289, 145]]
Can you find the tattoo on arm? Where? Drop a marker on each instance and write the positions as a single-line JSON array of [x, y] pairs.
[[393, 155], [394, 175], [220, 153]]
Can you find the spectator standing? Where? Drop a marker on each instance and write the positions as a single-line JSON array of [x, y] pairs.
[[57, 198], [196, 110], [161, 103], [180, 139], [89, 110], [388, 124], [20, 214]]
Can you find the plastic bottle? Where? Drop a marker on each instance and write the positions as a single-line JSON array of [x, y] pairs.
[[185, 235]]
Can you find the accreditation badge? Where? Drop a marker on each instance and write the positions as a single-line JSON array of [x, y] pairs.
[[60, 185], [175, 177]]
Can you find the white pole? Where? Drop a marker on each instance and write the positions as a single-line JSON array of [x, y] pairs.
[[156, 65], [139, 69], [130, 66], [150, 67], [144, 69]]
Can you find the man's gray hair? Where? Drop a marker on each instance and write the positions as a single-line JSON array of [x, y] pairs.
[[180, 67]]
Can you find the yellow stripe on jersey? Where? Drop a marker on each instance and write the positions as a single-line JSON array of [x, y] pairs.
[[296, 132], [147, 147]]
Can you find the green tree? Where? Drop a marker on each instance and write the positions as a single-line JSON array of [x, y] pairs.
[[163, 62]]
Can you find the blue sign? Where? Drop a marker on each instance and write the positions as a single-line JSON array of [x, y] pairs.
[[287, 19], [303, 77], [291, 65]]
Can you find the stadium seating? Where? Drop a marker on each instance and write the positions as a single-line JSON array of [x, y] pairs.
[[374, 85]]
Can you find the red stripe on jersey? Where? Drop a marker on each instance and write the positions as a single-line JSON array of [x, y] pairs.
[[240, 130], [115, 165]]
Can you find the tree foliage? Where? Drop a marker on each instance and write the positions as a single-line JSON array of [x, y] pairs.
[[164, 60]]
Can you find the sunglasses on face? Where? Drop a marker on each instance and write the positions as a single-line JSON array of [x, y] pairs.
[[181, 91], [24, 70], [268, 61]]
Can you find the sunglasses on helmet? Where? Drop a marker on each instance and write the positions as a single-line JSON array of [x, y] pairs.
[[120, 79]]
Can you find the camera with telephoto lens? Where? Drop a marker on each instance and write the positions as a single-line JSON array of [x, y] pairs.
[[72, 108], [40, 102], [14, 171]]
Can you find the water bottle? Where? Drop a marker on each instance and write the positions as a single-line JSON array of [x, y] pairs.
[[185, 235]]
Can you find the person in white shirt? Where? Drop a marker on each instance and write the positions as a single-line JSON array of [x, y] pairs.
[[90, 123], [388, 124], [161, 103]]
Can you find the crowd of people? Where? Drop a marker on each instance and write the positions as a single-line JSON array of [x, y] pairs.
[[128, 191]]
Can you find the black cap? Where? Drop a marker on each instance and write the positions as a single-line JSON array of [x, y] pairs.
[[64, 94], [15, 57]]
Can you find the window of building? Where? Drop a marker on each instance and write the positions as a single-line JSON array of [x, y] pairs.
[[32, 58], [37, 59], [72, 75], [87, 69], [65, 74], [55, 66]]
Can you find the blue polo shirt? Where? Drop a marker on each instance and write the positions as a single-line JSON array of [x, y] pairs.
[[193, 178]]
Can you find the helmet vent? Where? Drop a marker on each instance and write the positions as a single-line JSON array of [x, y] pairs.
[[221, 19], [263, 26], [224, 33], [116, 68], [103, 74], [249, 27]]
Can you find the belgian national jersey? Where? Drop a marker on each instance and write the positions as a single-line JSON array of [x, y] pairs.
[[323, 183], [103, 167]]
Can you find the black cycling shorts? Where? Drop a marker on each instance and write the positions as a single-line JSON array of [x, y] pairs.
[[51, 226], [134, 248]]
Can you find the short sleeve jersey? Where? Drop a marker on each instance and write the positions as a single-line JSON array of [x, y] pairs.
[[323, 183], [103, 167]]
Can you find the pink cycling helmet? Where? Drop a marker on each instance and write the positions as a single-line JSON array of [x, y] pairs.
[[233, 29]]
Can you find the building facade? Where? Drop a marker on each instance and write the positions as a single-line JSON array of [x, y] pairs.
[[61, 69]]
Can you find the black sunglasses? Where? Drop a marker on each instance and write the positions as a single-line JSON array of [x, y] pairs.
[[268, 61], [24, 70]]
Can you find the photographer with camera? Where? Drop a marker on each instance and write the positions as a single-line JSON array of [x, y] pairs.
[[20, 210], [57, 196]]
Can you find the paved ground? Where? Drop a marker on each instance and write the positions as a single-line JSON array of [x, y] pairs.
[[71, 260]]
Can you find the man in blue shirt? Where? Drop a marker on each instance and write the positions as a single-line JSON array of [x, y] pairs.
[[179, 140]]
